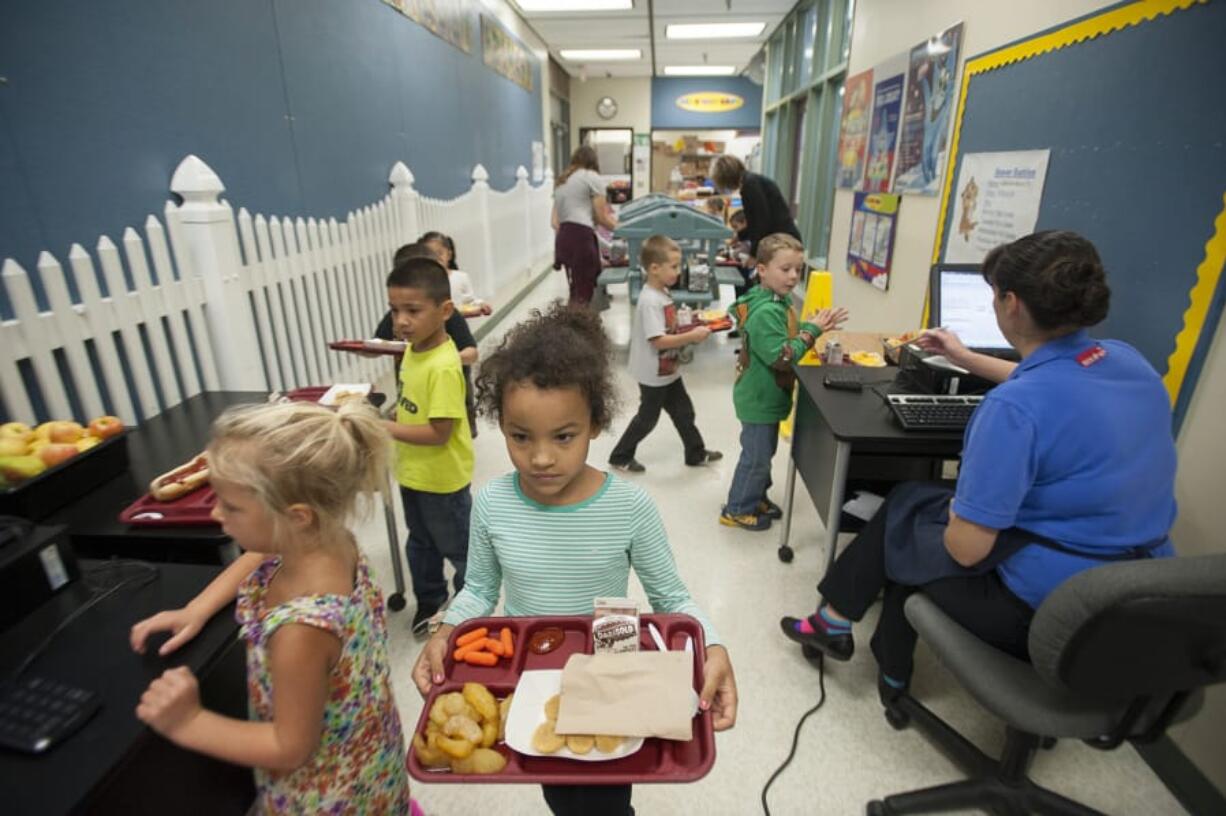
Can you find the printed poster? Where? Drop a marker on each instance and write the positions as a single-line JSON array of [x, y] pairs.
[[932, 91], [446, 19], [883, 130], [997, 199], [503, 53], [870, 248], [853, 128]]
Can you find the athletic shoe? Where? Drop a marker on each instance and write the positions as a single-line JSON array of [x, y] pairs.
[[633, 466], [837, 647], [707, 456], [768, 508], [745, 522]]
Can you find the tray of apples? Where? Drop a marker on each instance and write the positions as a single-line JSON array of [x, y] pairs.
[[44, 467]]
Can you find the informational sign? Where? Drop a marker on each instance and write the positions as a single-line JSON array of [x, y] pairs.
[[883, 130], [870, 250], [853, 128], [710, 102], [932, 91], [450, 20], [997, 199], [503, 53]]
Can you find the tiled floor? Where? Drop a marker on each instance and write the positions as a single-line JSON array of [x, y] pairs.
[[847, 754]]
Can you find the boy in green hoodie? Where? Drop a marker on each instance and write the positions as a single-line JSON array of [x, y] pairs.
[[772, 340]]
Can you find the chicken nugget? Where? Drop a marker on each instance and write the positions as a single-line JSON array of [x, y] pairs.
[[580, 743], [546, 740], [607, 745], [551, 707]]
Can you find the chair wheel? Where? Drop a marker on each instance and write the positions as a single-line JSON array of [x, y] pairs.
[[395, 602], [876, 808], [897, 719], [785, 554]]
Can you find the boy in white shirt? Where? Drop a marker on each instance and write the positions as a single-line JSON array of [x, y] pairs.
[[654, 363]]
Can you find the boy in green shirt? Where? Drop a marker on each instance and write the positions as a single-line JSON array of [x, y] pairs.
[[434, 445], [772, 341]]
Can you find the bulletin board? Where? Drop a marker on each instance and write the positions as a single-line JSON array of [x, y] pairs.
[[1129, 101]]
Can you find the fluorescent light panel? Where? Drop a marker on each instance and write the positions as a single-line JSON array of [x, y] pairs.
[[711, 31], [600, 54], [574, 5], [699, 70]]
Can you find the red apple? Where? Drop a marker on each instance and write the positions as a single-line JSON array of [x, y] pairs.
[[57, 452], [104, 427], [60, 430]]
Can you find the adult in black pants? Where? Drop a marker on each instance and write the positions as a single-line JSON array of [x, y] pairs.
[[1068, 462], [588, 800], [766, 211]]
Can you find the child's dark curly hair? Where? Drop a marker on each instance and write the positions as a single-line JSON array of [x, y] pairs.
[[564, 347]]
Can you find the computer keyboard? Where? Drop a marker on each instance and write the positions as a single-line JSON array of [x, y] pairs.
[[923, 412], [36, 713]]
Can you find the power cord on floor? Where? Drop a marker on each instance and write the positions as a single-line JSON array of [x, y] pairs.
[[821, 698]]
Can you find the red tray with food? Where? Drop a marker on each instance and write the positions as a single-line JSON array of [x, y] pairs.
[[657, 760], [192, 510]]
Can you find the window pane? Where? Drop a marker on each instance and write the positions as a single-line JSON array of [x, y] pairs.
[[808, 34], [774, 63]]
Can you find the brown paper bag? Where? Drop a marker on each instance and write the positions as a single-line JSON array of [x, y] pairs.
[[633, 694]]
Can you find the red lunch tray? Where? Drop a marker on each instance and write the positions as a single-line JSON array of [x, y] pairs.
[[360, 347], [722, 324], [311, 393], [193, 510], [658, 760]]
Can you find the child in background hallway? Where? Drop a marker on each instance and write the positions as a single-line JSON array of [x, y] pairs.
[[434, 447], [443, 247], [324, 734], [771, 341], [654, 364], [456, 326], [557, 532]]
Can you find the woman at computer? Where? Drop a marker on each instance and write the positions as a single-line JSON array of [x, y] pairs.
[[1067, 463]]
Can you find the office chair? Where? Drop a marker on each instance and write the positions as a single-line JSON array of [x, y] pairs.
[[1120, 652]]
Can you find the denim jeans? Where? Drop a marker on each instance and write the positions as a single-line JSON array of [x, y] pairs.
[[438, 529], [752, 477]]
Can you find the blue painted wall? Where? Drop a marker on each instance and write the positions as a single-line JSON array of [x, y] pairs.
[[665, 115], [300, 106], [1135, 122]]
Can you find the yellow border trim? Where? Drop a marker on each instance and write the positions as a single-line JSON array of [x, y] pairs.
[[1099, 25], [1200, 298]]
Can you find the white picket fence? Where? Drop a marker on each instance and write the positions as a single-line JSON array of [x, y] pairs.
[[217, 301]]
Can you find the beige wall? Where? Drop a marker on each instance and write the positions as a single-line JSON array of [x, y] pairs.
[[884, 28], [633, 97]]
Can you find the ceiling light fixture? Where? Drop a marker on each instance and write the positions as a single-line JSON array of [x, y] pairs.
[[699, 70], [574, 5], [711, 31], [600, 54]]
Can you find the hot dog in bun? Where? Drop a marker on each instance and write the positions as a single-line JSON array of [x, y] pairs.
[[182, 480]]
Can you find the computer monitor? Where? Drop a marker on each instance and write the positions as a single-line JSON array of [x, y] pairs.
[[961, 301]]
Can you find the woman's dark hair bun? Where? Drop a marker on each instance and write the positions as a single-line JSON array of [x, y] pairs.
[[1057, 274]]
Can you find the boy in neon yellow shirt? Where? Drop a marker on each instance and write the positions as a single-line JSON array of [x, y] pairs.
[[434, 445]]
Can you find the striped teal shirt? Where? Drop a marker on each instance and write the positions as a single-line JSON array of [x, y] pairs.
[[556, 560]]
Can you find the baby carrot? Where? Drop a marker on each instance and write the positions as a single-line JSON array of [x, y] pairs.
[[459, 653], [493, 646], [508, 645], [476, 634], [481, 659]]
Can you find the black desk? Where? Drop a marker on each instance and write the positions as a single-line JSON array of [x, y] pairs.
[[157, 445], [848, 439], [115, 764]]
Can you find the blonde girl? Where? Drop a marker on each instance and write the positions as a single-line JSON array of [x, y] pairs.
[[324, 733]]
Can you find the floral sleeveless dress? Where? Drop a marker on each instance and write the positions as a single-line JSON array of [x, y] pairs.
[[359, 767]]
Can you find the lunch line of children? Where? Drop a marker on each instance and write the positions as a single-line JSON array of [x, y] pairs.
[[287, 478]]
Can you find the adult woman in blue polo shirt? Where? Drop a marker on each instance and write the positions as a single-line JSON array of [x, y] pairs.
[[1067, 463]]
